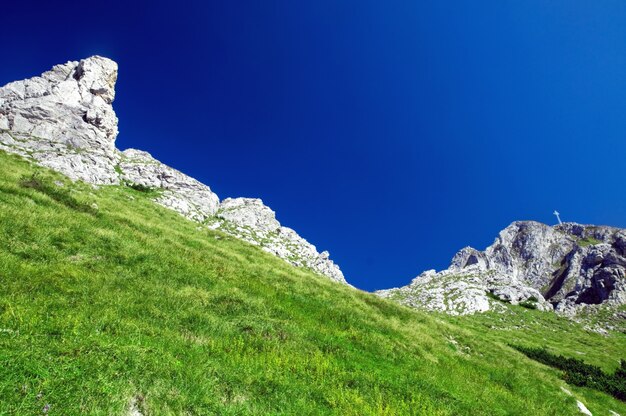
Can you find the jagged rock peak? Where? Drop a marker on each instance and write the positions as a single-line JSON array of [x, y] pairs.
[[98, 75], [64, 119], [569, 267]]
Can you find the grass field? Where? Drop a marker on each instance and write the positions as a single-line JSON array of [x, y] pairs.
[[110, 304]]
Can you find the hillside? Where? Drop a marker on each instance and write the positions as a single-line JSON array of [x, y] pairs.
[[131, 288], [64, 120], [112, 304]]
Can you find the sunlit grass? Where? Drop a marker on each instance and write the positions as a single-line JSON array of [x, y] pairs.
[[107, 299]]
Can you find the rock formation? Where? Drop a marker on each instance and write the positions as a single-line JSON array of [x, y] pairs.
[[64, 120], [569, 268], [256, 223], [181, 193]]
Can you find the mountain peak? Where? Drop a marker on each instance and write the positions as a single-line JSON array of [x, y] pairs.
[[64, 120], [568, 267], [97, 75]]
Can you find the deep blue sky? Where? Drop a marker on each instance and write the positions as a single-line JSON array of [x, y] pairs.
[[391, 133]]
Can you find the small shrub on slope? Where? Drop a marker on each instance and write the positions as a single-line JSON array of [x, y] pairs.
[[579, 373]]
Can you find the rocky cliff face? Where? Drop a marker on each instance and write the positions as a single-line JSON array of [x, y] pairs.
[[569, 268], [64, 120]]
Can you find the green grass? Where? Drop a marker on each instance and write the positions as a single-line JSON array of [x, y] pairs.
[[107, 298], [588, 241], [150, 191]]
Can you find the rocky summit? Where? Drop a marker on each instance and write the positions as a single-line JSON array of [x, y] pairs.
[[569, 268], [64, 120]]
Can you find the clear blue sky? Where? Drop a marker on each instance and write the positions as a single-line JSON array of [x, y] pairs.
[[391, 133]]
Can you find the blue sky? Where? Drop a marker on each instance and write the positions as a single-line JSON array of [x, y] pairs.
[[390, 133]]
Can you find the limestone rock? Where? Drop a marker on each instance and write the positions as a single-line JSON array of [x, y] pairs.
[[181, 193], [570, 268], [250, 220], [64, 119], [583, 409], [464, 292]]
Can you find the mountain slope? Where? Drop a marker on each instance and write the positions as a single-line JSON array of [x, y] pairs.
[[124, 292], [111, 304], [64, 120]]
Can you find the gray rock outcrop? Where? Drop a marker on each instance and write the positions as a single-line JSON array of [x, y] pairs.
[[252, 221], [569, 268], [64, 120], [180, 192]]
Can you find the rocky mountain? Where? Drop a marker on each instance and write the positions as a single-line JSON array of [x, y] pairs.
[[64, 120], [569, 268]]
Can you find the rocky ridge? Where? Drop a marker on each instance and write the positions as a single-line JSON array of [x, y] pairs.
[[252, 221], [569, 268], [64, 120]]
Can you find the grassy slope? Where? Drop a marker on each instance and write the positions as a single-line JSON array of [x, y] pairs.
[[130, 302]]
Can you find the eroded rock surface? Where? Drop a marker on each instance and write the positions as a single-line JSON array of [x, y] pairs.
[[64, 120], [252, 221], [181, 193], [570, 268]]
